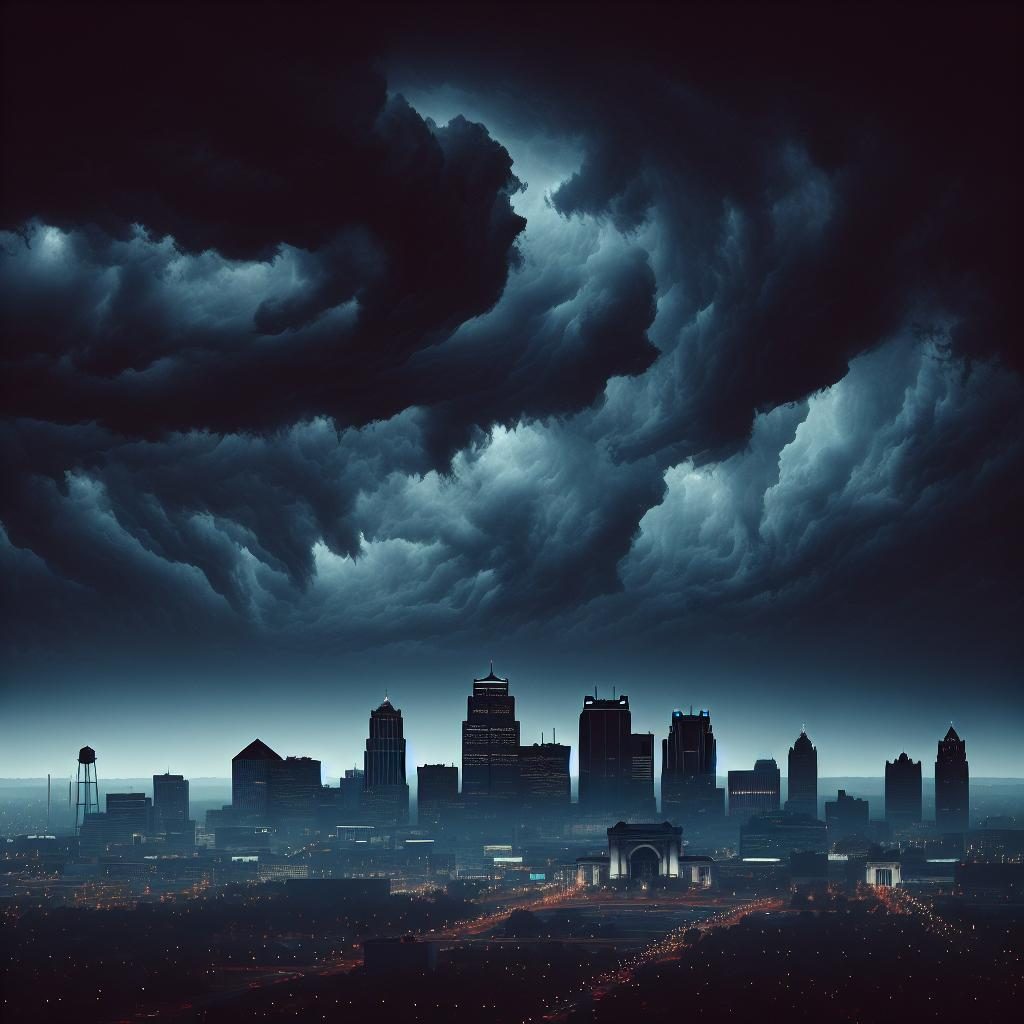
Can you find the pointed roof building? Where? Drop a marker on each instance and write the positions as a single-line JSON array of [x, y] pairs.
[[491, 677], [257, 751]]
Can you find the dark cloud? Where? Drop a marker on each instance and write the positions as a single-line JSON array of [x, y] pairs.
[[203, 138], [283, 350]]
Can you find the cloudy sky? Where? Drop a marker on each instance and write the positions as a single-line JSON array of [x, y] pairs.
[[670, 352]]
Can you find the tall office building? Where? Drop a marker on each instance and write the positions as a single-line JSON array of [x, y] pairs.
[[544, 777], [755, 791], [846, 816], [803, 777], [902, 791], [689, 761], [386, 790], [170, 801], [490, 744], [952, 784], [295, 787], [606, 755], [251, 771], [128, 815], [352, 786], [642, 801], [437, 792]]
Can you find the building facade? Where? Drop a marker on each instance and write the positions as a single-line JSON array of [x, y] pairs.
[[803, 777], [903, 791], [642, 800], [170, 801], [251, 771], [490, 744], [689, 762], [952, 784], [544, 782], [754, 791], [295, 787], [437, 792], [846, 816], [642, 852], [605, 755], [385, 788]]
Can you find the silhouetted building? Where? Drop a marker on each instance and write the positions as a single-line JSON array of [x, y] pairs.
[[170, 801], [490, 744], [437, 792], [295, 787], [642, 801], [846, 816], [952, 784], [803, 777], [902, 791], [777, 835], [386, 791], [544, 777], [606, 755], [251, 770], [754, 791], [128, 815], [689, 761], [352, 786]]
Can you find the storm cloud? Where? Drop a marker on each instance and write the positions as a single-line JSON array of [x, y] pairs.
[[417, 339]]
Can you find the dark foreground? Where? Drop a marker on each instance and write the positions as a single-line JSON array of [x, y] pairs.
[[878, 956]]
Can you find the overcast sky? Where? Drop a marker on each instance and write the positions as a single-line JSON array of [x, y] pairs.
[[344, 354]]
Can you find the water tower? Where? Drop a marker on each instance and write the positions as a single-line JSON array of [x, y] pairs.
[[88, 790]]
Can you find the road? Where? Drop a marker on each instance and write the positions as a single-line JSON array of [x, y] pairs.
[[667, 947]]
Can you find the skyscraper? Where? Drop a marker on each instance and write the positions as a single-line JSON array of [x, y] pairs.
[[128, 815], [902, 791], [170, 801], [952, 784], [490, 744], [756, 791], [544, 781], [689, 761], [251, 770], [295, 787], [803, 777], [386, 789], [437, 792], [606, 755], [352, 786], [642, 801]]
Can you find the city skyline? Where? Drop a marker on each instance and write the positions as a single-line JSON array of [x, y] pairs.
[[439, 754]]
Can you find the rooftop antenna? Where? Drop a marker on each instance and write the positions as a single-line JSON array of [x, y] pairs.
[[542, 738], [47, 803], [492, 666], [595, 691], [554, 739], [613, 693]]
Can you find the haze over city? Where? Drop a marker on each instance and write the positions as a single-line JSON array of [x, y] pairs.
[[524, 499]]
